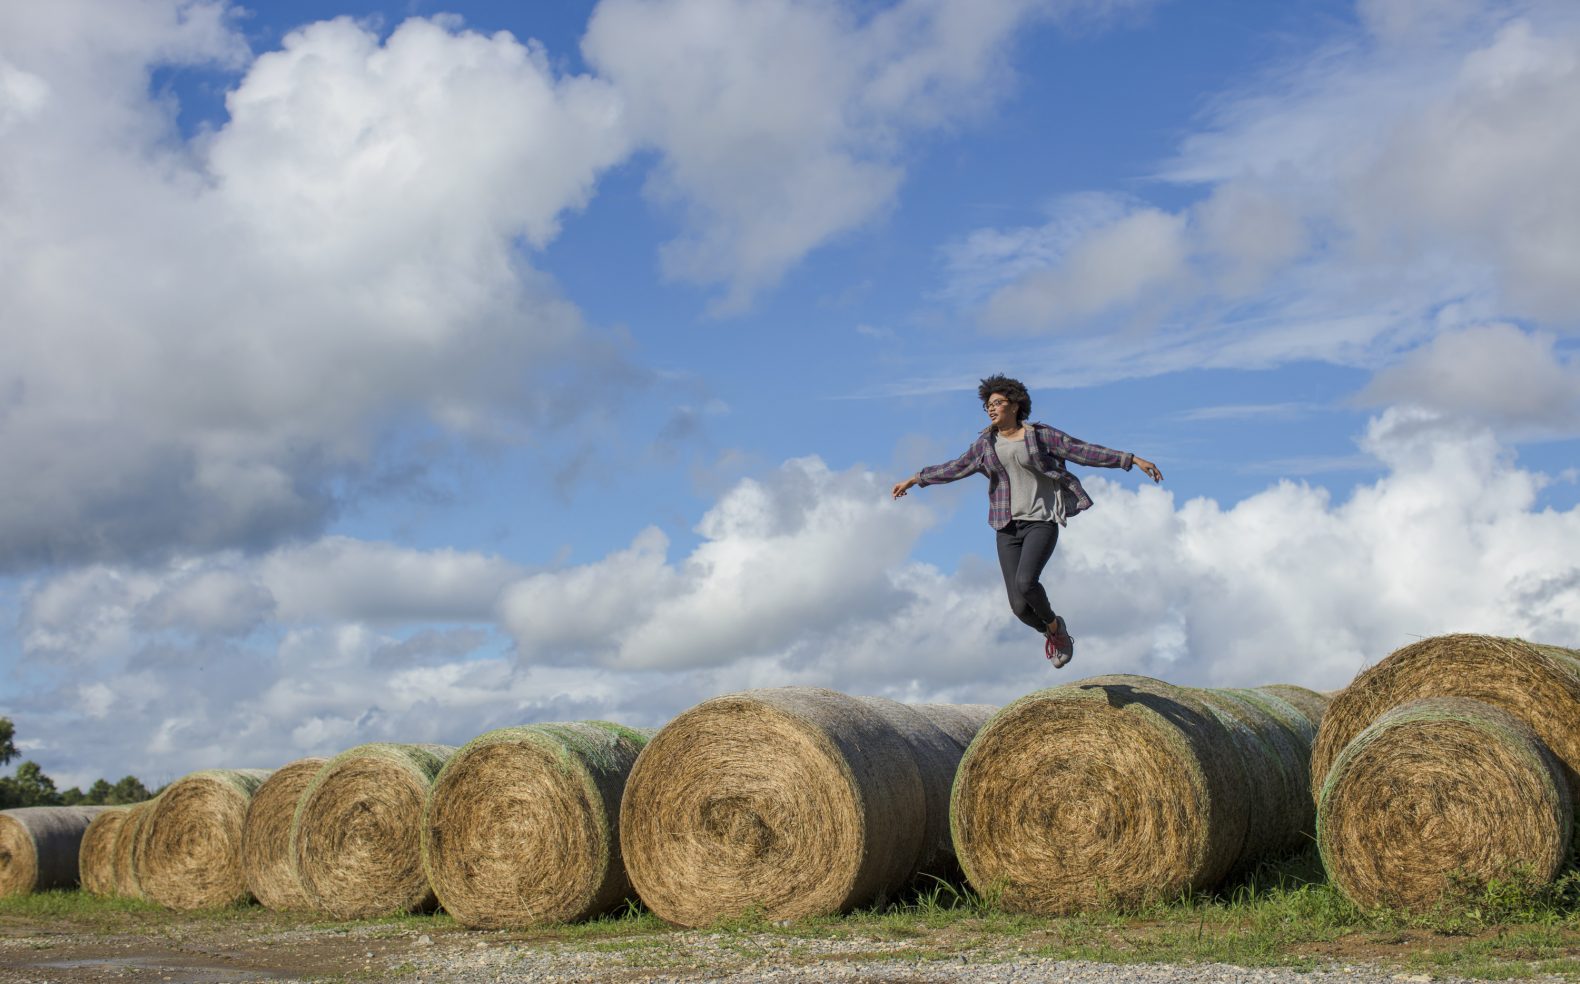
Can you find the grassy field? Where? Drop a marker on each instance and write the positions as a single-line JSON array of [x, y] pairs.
[[1278, 915]]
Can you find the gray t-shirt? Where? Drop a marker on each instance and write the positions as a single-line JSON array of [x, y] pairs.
[[1032, 495]]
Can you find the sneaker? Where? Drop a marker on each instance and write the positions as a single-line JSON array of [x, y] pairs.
[[1060, 647]]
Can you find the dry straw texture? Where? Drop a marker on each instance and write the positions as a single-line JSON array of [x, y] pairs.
[[522, 826], [38, 847], [356, 838], [1115, 790], [96, 856], [1538, 684], [127, 841], [266, 836], [189, 850], [791, 802], [1439, 796]]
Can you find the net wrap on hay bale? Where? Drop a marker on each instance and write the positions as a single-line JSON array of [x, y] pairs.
[[356, 838], [1274, 741], [791, 802], [1438, 796], [938, 735], [38, 847], [96, 856], [189, 844], [1116, 790], [522, 825], [266, 836], [1312, 704], [1536, 683], [127, 840]]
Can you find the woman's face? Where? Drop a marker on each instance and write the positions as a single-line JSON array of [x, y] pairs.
[[1001, 410]]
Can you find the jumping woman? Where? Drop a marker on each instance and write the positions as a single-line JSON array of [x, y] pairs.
[[1030, 495]]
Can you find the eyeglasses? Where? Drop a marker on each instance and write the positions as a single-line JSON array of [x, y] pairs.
[[991, 405]]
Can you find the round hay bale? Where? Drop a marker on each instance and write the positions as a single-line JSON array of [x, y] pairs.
[[266, 836], [1538, 684], [1442, 795], [1273, 774], [189, 846], [938, 735], [1117, 790], [791, 802], [522, 825], [38, 847], [356, 838], [96, 856], [127, 839], [1310, 703]]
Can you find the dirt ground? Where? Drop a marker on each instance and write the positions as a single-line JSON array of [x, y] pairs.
[[253, 944]]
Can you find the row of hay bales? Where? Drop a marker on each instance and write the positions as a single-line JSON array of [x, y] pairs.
[[788, 802], [1452, 763], [820, 801]]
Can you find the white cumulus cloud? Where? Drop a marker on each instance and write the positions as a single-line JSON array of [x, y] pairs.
[[208, 340]]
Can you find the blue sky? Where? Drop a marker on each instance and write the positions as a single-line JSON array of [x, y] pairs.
[[395, 371]]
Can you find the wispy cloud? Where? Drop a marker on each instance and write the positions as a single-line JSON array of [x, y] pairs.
[[1253, 411]]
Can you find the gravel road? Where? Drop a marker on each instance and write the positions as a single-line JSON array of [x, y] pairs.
[[772, 959]]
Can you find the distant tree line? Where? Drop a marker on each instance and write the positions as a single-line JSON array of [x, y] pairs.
[[31, 787]]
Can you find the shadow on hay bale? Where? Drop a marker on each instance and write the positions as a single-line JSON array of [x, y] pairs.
[[266, 837], [791, 802], [522, 825], [189, 844], [1439, 796], [39, 845], [1538, 684], [96, 856], [356, 841]]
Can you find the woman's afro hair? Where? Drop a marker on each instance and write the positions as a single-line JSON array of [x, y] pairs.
[[1011, 389]]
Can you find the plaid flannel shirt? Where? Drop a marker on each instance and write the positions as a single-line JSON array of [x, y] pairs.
[[1049, 448]]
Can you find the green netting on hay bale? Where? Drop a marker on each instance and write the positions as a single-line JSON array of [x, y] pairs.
[[1312, 704], [1116, 790], [266, 837], [356, 837], [39, 845], [790, 802], [1274, 752], [1437, 797], [189, 844], [522, 825], [1538, 684], [938, 734]]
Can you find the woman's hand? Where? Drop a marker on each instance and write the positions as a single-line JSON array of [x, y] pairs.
[[1147, 466], [901, 487]]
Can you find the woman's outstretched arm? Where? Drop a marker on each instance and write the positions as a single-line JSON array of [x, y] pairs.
[[967, 464]]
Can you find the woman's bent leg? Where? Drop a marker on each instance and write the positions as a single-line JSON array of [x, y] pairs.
[[1011, 559], [1037, 545]]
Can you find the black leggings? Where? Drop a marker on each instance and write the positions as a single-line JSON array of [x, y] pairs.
[[1023, 550]]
